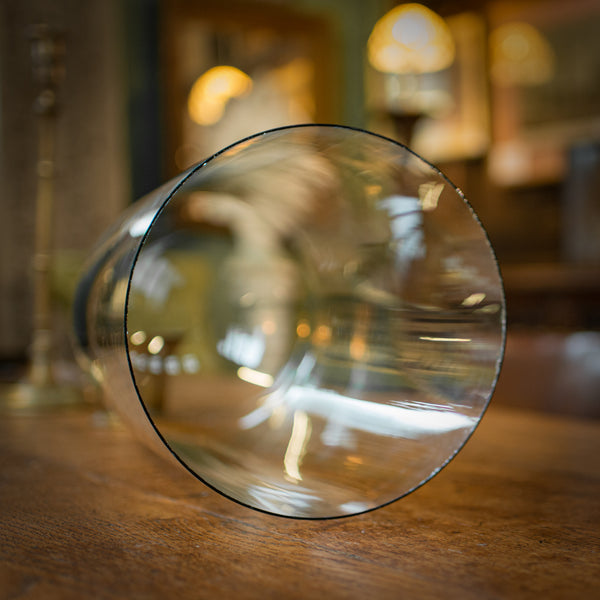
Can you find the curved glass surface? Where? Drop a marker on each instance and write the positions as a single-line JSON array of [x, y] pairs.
[[313, 320]]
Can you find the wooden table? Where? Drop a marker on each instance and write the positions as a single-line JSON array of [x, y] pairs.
[[88, 512]]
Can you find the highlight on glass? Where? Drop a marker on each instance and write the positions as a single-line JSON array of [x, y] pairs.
[[311, 321]]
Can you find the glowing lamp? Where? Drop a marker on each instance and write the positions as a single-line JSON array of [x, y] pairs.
[[212, 90], [520, 55], [410, 39]]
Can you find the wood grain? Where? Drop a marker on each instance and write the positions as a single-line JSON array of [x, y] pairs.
[[88, 512]]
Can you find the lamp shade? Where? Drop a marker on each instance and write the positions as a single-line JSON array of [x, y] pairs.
[[520, 55], [410, 38], [212, 90]]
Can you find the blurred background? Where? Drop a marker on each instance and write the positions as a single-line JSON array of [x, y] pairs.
[[502, 95]]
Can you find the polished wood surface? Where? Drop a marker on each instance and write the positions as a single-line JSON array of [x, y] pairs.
[[88, 512]]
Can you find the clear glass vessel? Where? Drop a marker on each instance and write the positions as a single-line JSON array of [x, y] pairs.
[[311, 321]]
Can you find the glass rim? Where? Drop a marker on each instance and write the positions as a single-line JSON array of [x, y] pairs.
[[180, 180]]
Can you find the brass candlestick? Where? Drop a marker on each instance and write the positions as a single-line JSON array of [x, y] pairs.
[[47, 53], [40, 388]]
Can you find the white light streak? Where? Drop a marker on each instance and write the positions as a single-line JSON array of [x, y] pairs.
[[427, 338], [241, 347], [373, 417], [359, 415], [139, 226]]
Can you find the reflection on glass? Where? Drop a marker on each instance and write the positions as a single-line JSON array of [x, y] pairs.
[[313, 320]]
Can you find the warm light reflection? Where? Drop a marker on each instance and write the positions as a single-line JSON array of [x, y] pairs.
[[373, 190], [156, 344], [301, 431], [358, 347], [474, 299], [269, 327], [322, 335], [212, 90], [255, 377], [490, 309], [411, 39], [303, 329], [520, 55], [119, 296], [429, 195], [137, 338]]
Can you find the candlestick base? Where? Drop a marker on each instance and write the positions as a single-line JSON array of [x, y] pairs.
[[27, 397]]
